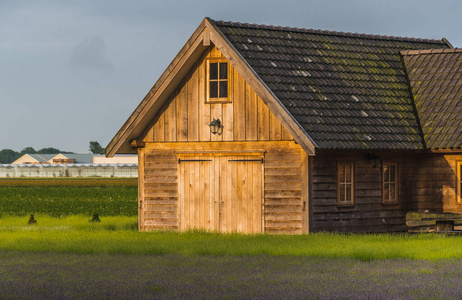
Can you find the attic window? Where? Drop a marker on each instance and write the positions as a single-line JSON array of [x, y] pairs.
[[217, 80]]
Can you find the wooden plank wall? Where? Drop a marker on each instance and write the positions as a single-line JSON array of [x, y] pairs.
[[435, 187], [283, 199], [160, 185], [241, 187], [186, 116], [197, 194], [426, 182], [283, 191]]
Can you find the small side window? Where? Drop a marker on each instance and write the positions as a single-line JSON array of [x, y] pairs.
[[345, 183], [459, 183], [390, 182]]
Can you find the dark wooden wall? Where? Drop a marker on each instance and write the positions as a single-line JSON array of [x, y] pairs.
[[426, 182]]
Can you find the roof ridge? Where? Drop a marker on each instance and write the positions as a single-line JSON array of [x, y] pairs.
[[431, 51], [325, 32]]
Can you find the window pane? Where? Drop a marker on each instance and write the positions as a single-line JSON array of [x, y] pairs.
[[342, 192], [213, 89], [223, 70], [348, 193], [341, 173], [223, 89], [392, 173], [392, 192], [213, 70], [385, 174], [386, 191], [348, 173]]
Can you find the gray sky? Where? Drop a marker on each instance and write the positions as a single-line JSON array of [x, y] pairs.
[[73, 71]]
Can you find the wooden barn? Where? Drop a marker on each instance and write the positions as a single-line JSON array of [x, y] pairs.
[[256, 128]]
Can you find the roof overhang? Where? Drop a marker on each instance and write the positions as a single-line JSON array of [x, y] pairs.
[[126, 139]]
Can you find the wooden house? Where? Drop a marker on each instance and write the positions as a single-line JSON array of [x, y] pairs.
[[256, 128]]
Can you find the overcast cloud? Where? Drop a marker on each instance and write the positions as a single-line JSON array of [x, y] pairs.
[[73, 71]]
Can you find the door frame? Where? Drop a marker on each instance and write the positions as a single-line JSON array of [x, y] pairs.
[[216, 183]]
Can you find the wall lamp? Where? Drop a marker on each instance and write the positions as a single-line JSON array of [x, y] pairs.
[[373, 159], [216, 127]]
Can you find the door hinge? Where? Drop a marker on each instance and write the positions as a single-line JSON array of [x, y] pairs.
[[260, 159], [182, 160]]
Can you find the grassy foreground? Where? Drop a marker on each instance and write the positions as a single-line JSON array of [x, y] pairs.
[[118, 235]]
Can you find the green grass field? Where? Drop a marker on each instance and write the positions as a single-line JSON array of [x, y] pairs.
[[118, 234], [64, 255], [63, 208], [68, 196]]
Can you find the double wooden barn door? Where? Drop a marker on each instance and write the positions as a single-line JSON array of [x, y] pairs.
[[221, 193]]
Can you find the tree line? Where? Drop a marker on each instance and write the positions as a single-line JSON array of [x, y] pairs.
[[7, 156]]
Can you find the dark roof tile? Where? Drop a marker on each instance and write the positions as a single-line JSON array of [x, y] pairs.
[[347, 91], [435, 77]]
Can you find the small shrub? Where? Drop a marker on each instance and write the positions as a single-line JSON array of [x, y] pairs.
[[32, 221], [95, 218]]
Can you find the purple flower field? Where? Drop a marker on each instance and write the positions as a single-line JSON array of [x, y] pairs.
[[30, 275]]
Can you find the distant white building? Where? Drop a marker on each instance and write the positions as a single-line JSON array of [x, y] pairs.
[[54, 159], [118, 159]]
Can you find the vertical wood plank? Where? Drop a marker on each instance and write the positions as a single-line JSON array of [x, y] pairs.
[[228, 110], [275, 128], [181, 101], [263, 121], [207, 195], [202, 196], [141, 188], [216, 112], [239, 107], [181, 195], [259, 204], [248, 213], [204, 109], [158, 130], [236, 188], [197, 194], [224, 187], [150, 135], [193, 107], [251, 128], [228, 121], [285, 135], [214, 196], [187, 197], [170, 122], [305, 192], [215, 52]]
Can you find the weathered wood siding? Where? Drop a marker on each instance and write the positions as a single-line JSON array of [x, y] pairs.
[[283, 191], [222, 194], [158, 184], [425, 182], [436, 188], [186, 116]]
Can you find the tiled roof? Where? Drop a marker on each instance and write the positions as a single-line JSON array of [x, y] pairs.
[[81, 158], [347, 91], [436, 80], [42, 157]]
